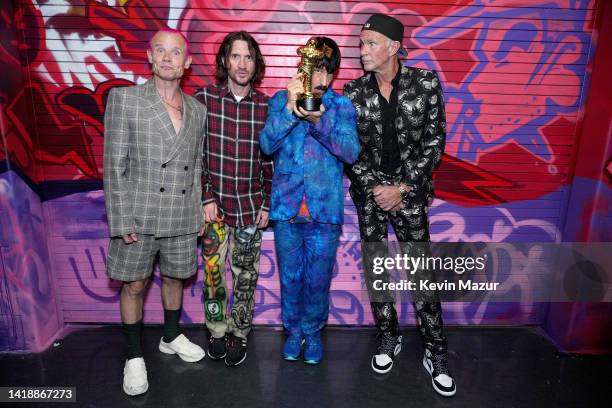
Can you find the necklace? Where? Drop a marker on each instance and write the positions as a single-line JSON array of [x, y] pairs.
[[178, 108]]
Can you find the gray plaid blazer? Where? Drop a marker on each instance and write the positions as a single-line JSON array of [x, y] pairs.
[[152, 177]]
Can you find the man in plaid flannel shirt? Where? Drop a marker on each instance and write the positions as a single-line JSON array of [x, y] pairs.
[[236, 186]]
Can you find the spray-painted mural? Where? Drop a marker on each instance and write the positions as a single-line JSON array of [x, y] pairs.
[[514, 74]]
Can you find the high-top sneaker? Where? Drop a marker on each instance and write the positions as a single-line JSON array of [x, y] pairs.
[[436, 365], [390, 345]]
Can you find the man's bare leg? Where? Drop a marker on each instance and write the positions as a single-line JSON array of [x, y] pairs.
[[131, 302]]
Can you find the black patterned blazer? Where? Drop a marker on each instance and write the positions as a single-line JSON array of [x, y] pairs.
[[421, 133]]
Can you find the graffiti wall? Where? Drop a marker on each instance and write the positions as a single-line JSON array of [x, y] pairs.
[[515, 75], [29, 316]]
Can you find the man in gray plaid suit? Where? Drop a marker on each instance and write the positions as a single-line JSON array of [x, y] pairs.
[[152, 187]]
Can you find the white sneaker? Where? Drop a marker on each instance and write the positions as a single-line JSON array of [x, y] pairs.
[[135, 377], [441, 380], [185, 349]]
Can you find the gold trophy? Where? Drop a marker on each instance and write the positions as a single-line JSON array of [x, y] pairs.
[[311, 55]]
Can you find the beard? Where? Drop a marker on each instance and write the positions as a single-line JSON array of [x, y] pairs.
[[240, 81]]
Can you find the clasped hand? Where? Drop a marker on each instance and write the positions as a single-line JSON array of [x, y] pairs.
[[388, 198]]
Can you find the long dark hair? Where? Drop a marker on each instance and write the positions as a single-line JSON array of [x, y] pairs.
[[331, 63], [224, 53]]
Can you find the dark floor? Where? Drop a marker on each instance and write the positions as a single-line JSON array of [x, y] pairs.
[[493, 367]]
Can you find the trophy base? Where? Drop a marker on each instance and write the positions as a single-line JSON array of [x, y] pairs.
[[309, 104]]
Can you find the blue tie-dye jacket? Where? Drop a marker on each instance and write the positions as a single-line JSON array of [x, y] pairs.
[[309, 158]]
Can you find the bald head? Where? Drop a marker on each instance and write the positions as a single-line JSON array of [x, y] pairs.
[[168, 54], [166, 31]]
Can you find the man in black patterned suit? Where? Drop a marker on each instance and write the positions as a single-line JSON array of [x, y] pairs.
[[401, 126]]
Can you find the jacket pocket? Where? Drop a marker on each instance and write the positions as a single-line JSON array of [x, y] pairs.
[[284, 166]]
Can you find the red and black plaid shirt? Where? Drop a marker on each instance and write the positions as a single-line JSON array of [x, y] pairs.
[[236, 174]]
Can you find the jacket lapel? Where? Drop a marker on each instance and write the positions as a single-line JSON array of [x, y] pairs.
[[185, 132], [374, 101], [372, 113], [171, 142], [405, 108], [164, 123]]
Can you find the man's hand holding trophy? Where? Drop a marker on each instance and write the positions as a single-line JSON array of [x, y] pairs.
[[302, 99]]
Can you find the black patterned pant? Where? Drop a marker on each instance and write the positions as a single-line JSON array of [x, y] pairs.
[[411, 227]]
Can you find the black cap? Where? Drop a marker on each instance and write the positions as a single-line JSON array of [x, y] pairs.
[[387, 26]]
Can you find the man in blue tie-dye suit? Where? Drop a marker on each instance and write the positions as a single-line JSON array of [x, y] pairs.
[[310, 149]]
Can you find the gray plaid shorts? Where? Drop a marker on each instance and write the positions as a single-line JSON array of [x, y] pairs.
[[131, 262]]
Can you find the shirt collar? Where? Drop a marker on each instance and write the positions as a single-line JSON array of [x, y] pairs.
[[394, 81], [224, 91]]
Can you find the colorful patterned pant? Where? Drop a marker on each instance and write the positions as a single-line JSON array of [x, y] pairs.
[[306, 255], [244, 246], [411, 227]]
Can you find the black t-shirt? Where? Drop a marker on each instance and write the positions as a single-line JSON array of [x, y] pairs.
[[390, 155]]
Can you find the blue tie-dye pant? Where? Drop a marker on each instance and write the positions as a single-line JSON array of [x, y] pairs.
[[306, 254]]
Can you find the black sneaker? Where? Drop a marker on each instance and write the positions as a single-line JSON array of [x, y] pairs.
[[390, 345], [236, 350], [436, 365], [216, 348]]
